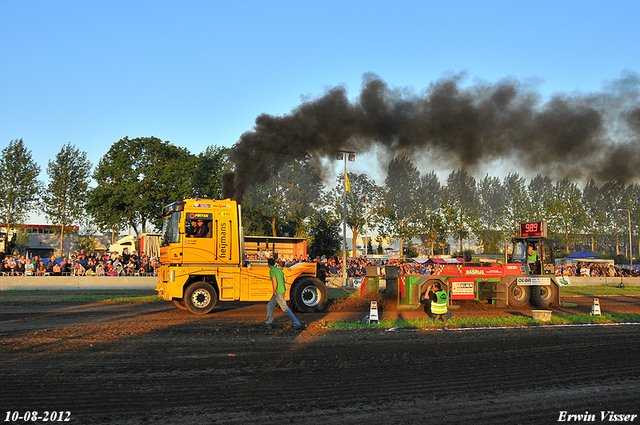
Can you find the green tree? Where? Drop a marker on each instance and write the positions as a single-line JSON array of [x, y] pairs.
[[635, 210], [281, 205], [616, 195], [302, 197], [364, 203], [491, 217], [410, 251], [540, 192], [430, 218], [259, 212], [19, 185], [517, 203], [90, 243], [21, 242], [401, 213], [66, 194], [135, 179], [324, 235], [596, 211], [210, 165], [568, 216], [462, 204]]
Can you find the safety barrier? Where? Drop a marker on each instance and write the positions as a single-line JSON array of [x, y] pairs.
[[602, 281], [149, 282], [76, 282]]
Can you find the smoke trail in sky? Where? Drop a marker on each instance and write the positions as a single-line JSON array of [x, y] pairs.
[[571, 134]]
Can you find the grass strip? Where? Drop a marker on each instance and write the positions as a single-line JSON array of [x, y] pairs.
[[50, 296], [473, 322], [147, 298]]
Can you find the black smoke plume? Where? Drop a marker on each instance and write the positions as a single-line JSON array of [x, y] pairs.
[[574, 135]]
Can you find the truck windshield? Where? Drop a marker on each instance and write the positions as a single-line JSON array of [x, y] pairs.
[[548, 263], [519, 252], [171, 228]]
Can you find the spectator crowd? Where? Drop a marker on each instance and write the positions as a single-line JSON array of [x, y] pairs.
[[356, 267], [596, 270], [130, 264], [81, 264]]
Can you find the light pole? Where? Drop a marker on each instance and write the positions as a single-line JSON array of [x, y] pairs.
[[630, 246], [366, 237], [352, 157], [506, 247]]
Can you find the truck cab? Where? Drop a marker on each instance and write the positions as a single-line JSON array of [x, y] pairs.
[[543, 263]]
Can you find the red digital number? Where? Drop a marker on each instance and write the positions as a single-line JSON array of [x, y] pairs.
[[531, 229]]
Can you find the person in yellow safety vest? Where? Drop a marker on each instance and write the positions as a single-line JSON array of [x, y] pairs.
[[439, 300]]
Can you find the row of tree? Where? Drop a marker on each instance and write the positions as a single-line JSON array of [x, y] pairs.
[[137, 177], [411, 205], [133, 181], [491, 209]]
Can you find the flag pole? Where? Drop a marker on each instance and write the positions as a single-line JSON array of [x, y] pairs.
[[345, 280]]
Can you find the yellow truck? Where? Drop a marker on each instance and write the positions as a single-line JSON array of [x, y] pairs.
[[202, 252]]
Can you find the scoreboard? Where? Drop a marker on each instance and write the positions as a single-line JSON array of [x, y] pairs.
[[533, 229]]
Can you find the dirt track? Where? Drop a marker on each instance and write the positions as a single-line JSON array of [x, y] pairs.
[[150, 363]]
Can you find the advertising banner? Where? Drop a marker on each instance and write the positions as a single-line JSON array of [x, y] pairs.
[[530, 281]]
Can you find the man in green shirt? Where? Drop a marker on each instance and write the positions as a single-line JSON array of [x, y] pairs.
[[532, 259], [279, 289]]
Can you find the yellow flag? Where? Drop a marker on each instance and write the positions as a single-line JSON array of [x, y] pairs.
[[347, 185]]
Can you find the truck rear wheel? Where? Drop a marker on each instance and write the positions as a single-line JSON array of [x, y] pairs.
[[200, 298], [309, 295], [543, 296], [518, 295]]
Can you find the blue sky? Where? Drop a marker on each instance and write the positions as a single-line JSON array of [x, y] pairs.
[[198, 73]]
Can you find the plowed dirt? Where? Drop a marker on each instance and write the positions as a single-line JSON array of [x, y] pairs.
[[147, 362]]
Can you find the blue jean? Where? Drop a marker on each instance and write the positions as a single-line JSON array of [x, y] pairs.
[[279, 299]]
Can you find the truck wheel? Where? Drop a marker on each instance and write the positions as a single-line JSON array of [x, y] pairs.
[[200, 298], [179, 304], [543, 296], [309, 295], [518, 295]]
